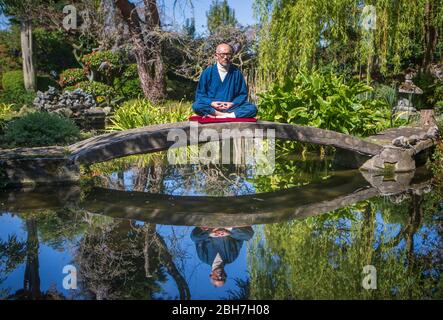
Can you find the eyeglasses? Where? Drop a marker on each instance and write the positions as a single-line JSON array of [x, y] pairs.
[[228, 55]]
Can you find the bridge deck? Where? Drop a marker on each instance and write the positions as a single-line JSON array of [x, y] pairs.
[[386, 137]]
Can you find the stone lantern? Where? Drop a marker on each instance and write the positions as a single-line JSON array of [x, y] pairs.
[[407, 89]]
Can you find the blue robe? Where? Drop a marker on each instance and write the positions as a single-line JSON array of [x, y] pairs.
[[228, 247], [233, 89]]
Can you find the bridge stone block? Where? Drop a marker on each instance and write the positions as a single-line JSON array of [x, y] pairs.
[[33, 171], [391, 159]]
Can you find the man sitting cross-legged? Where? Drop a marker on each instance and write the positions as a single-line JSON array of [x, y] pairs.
[[222, 90]]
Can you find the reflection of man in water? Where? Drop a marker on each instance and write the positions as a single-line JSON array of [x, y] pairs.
[[218, 247]]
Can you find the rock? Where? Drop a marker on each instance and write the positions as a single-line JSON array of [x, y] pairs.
[[401, 142], [77, 102], [412, 140], [432, 133]]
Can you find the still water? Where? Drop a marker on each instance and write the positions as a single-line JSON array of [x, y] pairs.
[[142, 229]]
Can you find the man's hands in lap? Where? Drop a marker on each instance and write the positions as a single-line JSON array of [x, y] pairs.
[[219, 105]]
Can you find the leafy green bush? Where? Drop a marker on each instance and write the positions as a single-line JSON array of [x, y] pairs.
[[40, 129], [6, 114], [387, 94], [14, 89], [13, 81], [128, 84], [52, 50], [325, 101], [432, 91], [130, 89], [93, 60], [71, 77], [99, 90], [141, 112]]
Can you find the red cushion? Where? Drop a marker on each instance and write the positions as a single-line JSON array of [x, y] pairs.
[[201, 119]]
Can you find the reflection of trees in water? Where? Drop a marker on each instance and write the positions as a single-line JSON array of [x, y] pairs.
[[15, 253], [152, 173], [115, 260], [243, 292], [181, 179], [120, 260], [323, 257]]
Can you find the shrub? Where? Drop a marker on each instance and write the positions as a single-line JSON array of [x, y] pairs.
[[99, 90], [40, 129], [387, 94], [53, 50], [128, 84], [6, 114], [14, 89], [71, 77], [325, 101], [432, 91], [141, 112], [13, 81], [93, 60]]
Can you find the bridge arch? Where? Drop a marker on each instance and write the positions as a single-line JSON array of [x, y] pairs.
[[155, 138]]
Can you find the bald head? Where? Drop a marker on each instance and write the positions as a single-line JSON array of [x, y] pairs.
[[223, 54], [224, 47]]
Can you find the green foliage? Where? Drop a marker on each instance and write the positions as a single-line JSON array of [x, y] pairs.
[[9, 49], [130, 89], [53, 50], [189, 27], [387, 94], [13, 81], [6, 114], [432, 91], [99, 90], [72, 76], [179, 88], [300, 35], [325, 101], [141, 112], [93, 60], [14, 89], [128, 84], [220, 14], [40, 129], [322, 257]]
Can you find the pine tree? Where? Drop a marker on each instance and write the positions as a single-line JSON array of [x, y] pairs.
[[220, 14]]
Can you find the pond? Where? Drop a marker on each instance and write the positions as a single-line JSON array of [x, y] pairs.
[[143, 229]]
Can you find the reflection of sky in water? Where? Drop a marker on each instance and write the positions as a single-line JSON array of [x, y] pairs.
[[426, 240]]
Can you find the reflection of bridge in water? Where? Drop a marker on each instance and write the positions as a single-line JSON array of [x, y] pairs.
[[343, 189]]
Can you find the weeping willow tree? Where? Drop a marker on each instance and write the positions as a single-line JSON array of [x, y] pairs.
[[362, 36]]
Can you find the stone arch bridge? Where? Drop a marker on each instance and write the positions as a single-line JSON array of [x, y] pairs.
[[394, 149]]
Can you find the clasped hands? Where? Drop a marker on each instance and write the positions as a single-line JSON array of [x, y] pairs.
[[219, 105]]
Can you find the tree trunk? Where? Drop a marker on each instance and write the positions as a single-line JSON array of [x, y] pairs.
[[109, 24], [148, 52], [430, 36], [31, 283], [27, 54]]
